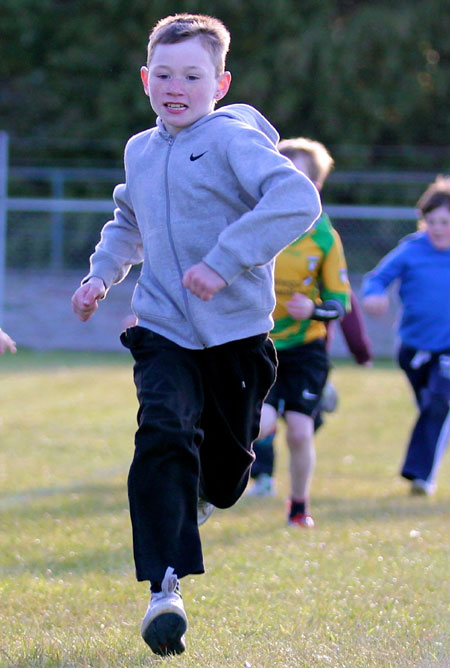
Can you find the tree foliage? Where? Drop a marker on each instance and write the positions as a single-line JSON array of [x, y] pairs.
[[363, 72]]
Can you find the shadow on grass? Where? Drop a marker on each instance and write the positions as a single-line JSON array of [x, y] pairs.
[[37, 499], [91, 502], [110, 560], [338, 510], [267, 516], [74, 534], [94, 653], [74, 503]]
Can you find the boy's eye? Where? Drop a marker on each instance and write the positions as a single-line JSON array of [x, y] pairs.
[[192, 77]]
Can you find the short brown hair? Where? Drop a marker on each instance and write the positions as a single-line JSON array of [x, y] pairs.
[[437, 194], [172, 29], [320, 162]]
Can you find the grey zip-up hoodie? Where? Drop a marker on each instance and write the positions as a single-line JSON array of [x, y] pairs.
[[217, 192]]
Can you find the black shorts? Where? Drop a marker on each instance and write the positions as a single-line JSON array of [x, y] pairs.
[[301, 377]]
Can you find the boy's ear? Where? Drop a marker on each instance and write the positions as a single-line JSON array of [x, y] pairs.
[[144, 78], [223, 85]]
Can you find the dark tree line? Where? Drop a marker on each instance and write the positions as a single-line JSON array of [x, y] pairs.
[[347, 72]]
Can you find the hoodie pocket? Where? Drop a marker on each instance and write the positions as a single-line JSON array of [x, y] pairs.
[[151, 302], [252, 290]]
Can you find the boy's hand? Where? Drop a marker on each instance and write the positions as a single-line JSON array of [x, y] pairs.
[[300, 307], [6, 343], [375, 304], [85, 299], [203, 281]]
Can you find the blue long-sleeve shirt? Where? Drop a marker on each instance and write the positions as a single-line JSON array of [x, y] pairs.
[[423, 273]]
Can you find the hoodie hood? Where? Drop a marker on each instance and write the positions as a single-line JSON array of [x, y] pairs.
[[250, 116], [239, 112]]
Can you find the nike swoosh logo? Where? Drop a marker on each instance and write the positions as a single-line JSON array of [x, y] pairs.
[[196, 157], [306, 394]]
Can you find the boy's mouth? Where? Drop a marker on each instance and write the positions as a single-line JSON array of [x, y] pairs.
[[175, 105]]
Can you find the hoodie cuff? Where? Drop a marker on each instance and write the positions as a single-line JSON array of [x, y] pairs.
[[104, 272], [225, 264]]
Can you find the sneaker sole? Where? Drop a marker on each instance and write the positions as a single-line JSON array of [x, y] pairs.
[[420, 491], [165, 634], [270, 492]]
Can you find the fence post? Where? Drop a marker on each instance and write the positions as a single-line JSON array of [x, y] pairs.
[[57, 180], [3, 215]]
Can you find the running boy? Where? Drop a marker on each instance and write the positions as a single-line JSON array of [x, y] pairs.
[[355, 335], [208, 202], [312, 289], [421, 263]]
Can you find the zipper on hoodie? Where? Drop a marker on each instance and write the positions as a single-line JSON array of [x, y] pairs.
[[189, 318]]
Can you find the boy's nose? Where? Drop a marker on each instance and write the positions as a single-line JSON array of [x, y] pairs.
[[176, 86]]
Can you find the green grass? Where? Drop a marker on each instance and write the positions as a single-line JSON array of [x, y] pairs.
[[368, 587]]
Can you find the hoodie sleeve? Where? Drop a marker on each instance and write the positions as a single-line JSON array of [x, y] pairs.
[[120, 245], [287, 205]]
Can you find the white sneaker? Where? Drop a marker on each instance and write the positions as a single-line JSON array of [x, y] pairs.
[[329, 398], [165, 621], [421, 487], [204, 511], [264, 485]]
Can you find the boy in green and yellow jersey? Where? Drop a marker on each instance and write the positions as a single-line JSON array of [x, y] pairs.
[[312, 288], [313, 266]]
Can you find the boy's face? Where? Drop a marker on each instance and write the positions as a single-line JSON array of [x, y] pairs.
[[181, 83], [437, 225]]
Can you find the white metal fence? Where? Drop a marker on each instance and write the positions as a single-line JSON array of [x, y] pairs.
[[45, 243]]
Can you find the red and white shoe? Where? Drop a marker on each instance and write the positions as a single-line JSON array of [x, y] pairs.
[[302, 520]]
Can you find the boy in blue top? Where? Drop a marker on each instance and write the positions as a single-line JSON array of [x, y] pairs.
[[207, 204], [421, 264]]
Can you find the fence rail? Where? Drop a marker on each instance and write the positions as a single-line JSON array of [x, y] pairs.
[[59, 205], [58, 175], [336, 211], [45, 243]]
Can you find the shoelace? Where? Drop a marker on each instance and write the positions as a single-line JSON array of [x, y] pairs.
[[170, 582]]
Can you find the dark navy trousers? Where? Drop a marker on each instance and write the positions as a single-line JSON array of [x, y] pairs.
[[429, 375], [199, 412]]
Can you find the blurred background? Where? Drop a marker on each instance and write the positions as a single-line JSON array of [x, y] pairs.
[[368, 78]]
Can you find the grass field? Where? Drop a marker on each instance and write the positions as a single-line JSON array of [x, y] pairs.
[[368, 587]]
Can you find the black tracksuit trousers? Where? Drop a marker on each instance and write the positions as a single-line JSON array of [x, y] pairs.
[[199, 413]]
